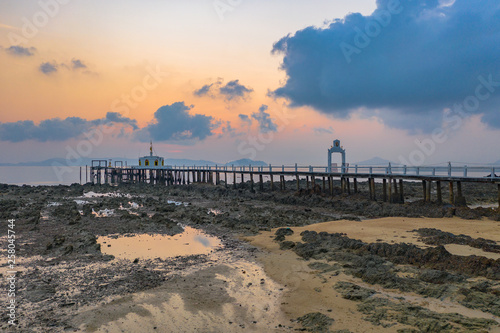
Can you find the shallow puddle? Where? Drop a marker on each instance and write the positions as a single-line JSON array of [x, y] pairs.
[[144, 246], [464, 250]]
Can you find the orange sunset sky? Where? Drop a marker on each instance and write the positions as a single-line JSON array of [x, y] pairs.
[[267, 80]]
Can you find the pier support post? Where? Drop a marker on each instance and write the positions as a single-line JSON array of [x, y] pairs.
[[342, 185], [251, 182], [234, 179], [424, 189], [384, 190], [272, 181], [439, 193], [261, 182], [225, 179], [459, 190], [389, 191], [298, 182], [355, 185], [348, 184], [452, 195], [429, 187], [374, 191], [401, 192], [307, 182], [313, 182], [324, 184], [330, 185], [499, 197]]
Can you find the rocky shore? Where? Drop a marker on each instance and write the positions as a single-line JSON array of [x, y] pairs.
[[67, 282]]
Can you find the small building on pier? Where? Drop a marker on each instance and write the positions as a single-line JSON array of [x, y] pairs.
[[151, 160]]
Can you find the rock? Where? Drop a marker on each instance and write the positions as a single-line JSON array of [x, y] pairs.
[[286, 245], [316, 322], [281, 233], [353, 292], [37, 292]]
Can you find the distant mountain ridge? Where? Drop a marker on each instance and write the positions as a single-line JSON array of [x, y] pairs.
[[129, 161]]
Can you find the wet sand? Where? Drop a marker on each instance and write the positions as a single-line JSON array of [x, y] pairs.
[[309, 291]]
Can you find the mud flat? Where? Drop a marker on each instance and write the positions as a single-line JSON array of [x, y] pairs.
[[207, 258]]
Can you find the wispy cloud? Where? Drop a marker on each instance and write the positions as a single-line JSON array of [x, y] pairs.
[[48, 68], [9, 27], [266, 124], [56, 129], [231, 91], [20, 51]]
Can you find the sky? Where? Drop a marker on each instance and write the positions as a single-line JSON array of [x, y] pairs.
[[414, 82]]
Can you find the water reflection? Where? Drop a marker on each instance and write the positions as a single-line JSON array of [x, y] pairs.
[[144, 246]]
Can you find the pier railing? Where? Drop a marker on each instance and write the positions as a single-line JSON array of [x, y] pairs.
[[350, 170]]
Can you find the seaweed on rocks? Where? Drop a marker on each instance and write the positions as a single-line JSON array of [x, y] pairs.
[[323, 245], [432, 236], [316, 322]]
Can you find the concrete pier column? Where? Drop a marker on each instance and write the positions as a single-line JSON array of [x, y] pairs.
[[234, 179], [324, 184], [298, 182], [261, 182], [272, 181], [307, 182], [348, 184], [355, 185]]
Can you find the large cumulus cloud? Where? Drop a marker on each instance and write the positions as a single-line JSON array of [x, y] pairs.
[[409, 65], [174, 123]]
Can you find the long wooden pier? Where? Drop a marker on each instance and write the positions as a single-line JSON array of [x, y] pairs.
[[391, 177]]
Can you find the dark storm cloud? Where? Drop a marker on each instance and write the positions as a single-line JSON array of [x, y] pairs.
[[412, 58], [266, 124], [174, 123]]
